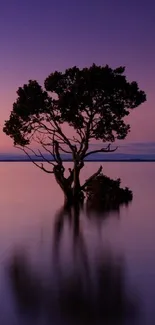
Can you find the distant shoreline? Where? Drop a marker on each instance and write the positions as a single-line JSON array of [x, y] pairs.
[[116, 160]]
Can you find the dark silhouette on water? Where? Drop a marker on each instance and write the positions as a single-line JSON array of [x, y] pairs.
[[83, 291], [93, 102], [105, 194]]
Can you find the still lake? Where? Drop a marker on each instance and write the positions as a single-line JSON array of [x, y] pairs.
[[51, 267]]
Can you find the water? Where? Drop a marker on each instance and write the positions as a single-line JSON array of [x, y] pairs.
[[56, 271]]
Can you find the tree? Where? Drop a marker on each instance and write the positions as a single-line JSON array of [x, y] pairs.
[[92, 102]]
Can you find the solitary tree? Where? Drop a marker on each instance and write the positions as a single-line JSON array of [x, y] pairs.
[[92, 102]]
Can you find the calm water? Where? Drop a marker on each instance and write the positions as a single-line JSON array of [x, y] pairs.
[[52, 268]]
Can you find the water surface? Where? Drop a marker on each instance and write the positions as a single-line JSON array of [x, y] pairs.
[[44, 254]]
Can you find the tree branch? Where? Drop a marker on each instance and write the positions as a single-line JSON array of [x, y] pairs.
[[62, 149], [34, 162], [66, 140], [91, 178], [60, 139], [86, 138], [50, 131], [45, 159], [100, 150], [45, 148]]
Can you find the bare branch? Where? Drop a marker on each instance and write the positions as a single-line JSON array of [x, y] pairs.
[[91, 178], [57, 136], [100, 150], [61, 140], [46, 127], [66, 140], [34, 162], [80, 133], [54, 130], [44, 145], [49, 151], [45, 159], [76, 140], [62, 149], [85, 145], [30, 149]]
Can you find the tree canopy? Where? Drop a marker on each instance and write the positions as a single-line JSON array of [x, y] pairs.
[[93, 100]]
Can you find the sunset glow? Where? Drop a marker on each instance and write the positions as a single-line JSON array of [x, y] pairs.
[[40, 37]]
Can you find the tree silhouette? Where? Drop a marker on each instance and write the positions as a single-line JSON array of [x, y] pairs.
[[92, 102]]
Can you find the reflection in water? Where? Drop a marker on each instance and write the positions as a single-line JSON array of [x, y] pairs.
[[25, 284], [84, 291], [96, 210]]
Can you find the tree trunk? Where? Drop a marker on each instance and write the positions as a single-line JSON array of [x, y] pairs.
[[76, 183], [68, 198], [72, 197], [72, 192], [78, 195]]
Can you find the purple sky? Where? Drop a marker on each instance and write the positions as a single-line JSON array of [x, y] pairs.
[[39, 36]]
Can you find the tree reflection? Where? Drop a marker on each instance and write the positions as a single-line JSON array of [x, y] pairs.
[[84, 291], [25, 284]]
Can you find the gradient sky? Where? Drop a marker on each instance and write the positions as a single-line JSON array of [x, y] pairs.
[[40, 36]]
